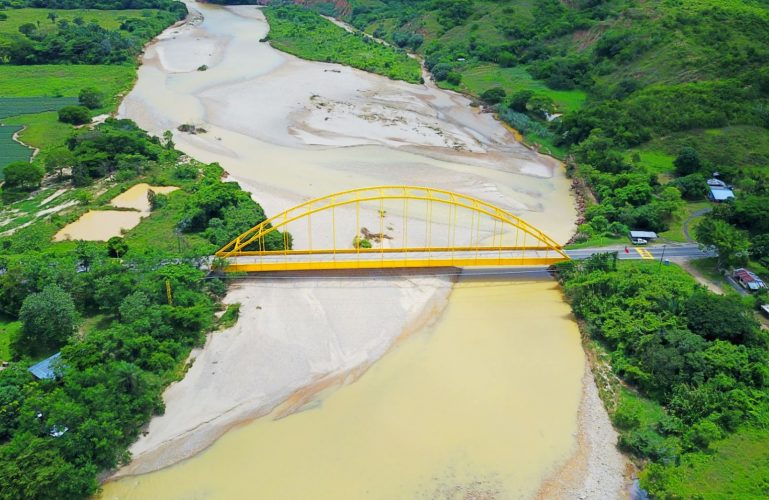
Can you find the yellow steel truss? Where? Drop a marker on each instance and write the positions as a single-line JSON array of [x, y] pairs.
[[419, 256]]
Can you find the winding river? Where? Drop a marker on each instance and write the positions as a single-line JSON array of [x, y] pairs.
[[389, 387]]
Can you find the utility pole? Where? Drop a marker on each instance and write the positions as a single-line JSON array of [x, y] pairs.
[[662, 257]]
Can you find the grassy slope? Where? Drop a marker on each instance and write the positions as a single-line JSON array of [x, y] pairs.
[[479, 78], [307, 35]]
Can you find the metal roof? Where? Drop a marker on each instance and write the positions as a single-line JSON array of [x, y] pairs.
[[647, 235], [45, 368], [751, 279], [721, 193]]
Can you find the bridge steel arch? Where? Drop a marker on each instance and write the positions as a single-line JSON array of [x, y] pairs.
[[248, 252]]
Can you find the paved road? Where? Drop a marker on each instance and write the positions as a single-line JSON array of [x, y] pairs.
[[698, 213], [682, 251]]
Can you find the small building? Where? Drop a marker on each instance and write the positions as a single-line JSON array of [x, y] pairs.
[[748, 280], [765, 310], [719, 191], [719, 194], [46, 369], [643, 235]]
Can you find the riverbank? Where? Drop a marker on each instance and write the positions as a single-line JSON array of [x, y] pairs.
[[292, 339], [596, 469]]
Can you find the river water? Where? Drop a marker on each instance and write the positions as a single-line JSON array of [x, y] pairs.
[[481, 403]]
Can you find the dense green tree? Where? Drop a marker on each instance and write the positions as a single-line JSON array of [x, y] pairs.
[[520, 99], [48, 319], [731, 244], [494, 95], [117, 247], [58, 159], [23, 176], [91, 98], [687, 162], [693, 187], [720, 317], [75, 115]]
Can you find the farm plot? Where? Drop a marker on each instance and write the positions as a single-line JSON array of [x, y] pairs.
[[15, 106], [10, 150]]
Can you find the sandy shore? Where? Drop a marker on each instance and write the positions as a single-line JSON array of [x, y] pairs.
[[596, 469], [292, 338]]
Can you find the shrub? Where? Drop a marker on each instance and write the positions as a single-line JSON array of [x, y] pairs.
[[75, 115], [494, 95], [91, 98], [23, 176]]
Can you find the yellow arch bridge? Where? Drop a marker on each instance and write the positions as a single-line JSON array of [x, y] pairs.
[[390, 227]]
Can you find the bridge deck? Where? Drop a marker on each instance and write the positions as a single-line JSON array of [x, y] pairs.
[[380, 260], [395, 259]]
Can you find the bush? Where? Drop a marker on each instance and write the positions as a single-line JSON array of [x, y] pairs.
[[359, 242], [91, 98], [454, 78], [75, 115], [48, 319], [687, 162], [441, 71], [494, 95], [692, 187], [23, 176]]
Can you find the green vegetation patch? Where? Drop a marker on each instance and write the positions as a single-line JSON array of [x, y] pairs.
[[307, 35], [482, 77], [46, 19], [10, 150], [43, 130], [737, 467], [9, 328], [738, 146], [64, 80], [14, 106]]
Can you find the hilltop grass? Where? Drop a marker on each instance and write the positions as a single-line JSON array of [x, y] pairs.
[[307, 35], [738, 146]]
